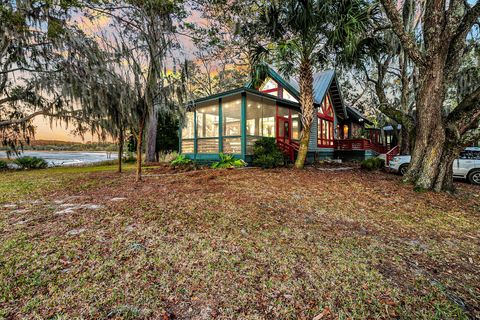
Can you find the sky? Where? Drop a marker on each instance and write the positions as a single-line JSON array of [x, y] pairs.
[[57, 132]]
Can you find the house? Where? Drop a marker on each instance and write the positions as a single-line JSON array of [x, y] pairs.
[[230, 122]]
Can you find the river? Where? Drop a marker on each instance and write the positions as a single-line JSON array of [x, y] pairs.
[[67, 158]]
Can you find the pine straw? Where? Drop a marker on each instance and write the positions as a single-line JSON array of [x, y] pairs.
[[246, 244]]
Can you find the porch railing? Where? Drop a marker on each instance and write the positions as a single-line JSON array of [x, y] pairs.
[[392, 153], [288, 148], [359, 144]]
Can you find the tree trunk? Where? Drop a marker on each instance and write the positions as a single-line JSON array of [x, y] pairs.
[[139, 149], [430, 141], [120, 151], [307, 108], [444, 181], [151, 137], [405, 141]]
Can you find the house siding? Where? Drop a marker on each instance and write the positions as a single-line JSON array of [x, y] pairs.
[[312, 144]]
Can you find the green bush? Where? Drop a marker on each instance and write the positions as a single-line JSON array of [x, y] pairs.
[[180, 160], [30, 163], [3, 165], [373, 164], [266, 154], [228, 161]]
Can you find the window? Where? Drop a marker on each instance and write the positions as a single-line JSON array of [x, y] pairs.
[[269, 86], [288, 96], [345, 131], [296, 125], [260, 116], [325, 134], [470, 154]]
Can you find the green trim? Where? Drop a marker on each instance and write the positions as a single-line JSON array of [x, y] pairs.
[[220, 126], [244, 124], [278, 78], [284, 83], [243, 90], [195, 147]]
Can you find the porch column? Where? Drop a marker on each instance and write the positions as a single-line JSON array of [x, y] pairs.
[[244, 124], [220, 126], [195, 134]]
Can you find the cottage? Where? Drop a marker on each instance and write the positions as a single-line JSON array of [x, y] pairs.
[[231, 122]]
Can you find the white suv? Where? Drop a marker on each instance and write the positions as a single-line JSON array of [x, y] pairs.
[[467, 166]]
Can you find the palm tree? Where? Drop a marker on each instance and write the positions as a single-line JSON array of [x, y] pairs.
[[304, 34]]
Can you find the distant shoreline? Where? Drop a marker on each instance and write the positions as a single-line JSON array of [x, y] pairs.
[[50, 150]]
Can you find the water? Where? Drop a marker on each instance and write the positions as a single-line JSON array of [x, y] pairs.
[[67, 158]]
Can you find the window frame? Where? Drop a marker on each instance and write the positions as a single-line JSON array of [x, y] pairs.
[[325, 119]]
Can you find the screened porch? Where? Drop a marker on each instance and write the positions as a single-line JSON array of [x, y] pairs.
[[233, 122]]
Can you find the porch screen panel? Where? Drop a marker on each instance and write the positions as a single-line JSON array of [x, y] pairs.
[[254, 115], [232, 145], [261, 114], [269, 111], [232, 124], [188, 133], [208, 120], [187, 146], [208, 123], [251, 143], [207, 145]]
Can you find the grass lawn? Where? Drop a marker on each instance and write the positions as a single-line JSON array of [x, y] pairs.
[[243, 244]]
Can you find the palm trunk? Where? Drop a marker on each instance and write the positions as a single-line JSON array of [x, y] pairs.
[[120, 151], [307, 108], [139, 149]]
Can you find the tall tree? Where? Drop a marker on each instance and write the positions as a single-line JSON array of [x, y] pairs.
[[142, 33], [149, 29], [437, 49], [303, 35], [33, 35]]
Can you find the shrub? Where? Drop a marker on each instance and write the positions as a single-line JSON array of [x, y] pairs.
[[3, 165], [373, 164], [180, 160], [228, 161], [31, 163], [266, 154]]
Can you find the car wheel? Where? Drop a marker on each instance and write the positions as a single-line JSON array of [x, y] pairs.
[[474, 177], [403, 169]]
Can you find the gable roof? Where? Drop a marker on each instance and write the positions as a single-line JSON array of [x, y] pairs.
[[357, 115], [322, 82]]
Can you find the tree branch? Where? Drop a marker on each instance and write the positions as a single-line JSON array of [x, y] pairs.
[[457, 43], [465, 114], [408, 42]]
